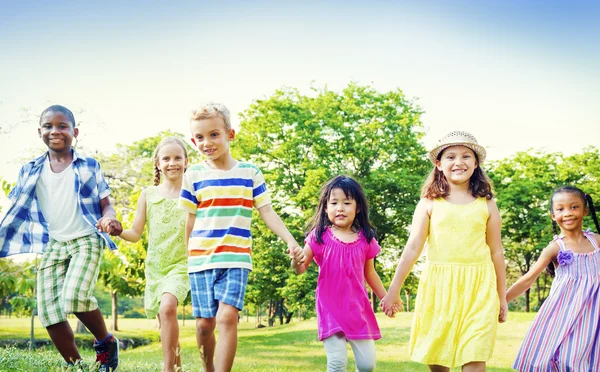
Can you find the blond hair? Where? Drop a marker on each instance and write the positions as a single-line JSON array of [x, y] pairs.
[[165, 141], [213, 110]]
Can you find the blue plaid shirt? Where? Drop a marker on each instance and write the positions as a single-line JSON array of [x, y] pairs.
[[25, 230]]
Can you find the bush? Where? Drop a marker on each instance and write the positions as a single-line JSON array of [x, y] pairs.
[[135, 314]]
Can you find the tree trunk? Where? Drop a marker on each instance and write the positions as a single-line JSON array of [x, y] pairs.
[[280, 310], [31, 337], [527, 309], [115, 314], [80, 327], [407, 303], [34, 308]]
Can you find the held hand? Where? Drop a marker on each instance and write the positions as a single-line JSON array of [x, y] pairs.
[[394, 309], [110, 225], [503, 311], [297, 254], [391, 304], [291, 248]]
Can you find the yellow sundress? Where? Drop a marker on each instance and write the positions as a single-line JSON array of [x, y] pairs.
[[457, 306]]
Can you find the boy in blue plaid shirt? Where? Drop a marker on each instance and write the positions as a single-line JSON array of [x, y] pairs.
[[60, 208]]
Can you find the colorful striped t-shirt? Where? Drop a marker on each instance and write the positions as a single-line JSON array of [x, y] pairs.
[[222, 202]]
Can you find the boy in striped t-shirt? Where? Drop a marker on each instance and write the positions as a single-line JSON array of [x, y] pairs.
[[219, 194]]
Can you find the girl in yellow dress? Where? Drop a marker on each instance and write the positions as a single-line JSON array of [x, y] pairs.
[[462, 291]]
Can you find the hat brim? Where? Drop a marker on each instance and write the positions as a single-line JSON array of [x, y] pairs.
[[478, 150]]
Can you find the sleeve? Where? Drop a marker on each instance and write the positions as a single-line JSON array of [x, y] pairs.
[[317, 249], [260, 194], [14, 193], [103, 189], [187, 198], [373, 249]]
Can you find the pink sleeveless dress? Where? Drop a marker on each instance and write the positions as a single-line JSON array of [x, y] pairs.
[[565, 334]]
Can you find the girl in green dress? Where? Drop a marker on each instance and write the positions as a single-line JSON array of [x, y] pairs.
[[167, 282]]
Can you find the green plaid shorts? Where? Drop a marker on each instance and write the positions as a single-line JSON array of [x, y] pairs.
[[66, 278]]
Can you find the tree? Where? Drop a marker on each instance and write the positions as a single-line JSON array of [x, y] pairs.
[[524, 185], [300, 141], [8, 281]]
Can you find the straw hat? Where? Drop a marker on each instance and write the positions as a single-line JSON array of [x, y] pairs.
[[458, 138]]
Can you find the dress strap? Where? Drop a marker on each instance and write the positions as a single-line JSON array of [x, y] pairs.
[[588, 234], [559, 240]]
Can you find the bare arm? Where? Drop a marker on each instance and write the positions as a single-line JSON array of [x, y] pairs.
[[301, 259], [189, 227], [493, 240], [373, 279], [137, 229], [526, 281], [410, 255], [108, 222], [275, 224]]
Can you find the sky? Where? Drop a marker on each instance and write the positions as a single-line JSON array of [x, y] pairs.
[[516, 74]]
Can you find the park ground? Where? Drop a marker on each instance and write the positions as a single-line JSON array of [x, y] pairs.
[[291, 347]]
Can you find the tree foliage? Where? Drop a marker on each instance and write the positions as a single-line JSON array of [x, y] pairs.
[[300, 141], [524, 185]]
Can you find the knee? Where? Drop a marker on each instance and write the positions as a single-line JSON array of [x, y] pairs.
[[365, 365], [168, 310], [205, 326], [336, 364], [227, 315]]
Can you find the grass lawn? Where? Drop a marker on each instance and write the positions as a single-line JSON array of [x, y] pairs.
[[292, 347]]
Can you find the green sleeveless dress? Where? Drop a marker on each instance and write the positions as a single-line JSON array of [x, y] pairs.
[[166, 261]]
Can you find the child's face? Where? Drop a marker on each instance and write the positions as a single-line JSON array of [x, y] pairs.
[[171, 161], [457, 163], [211, 138], [341, 210], [568, 210], [57, 131]]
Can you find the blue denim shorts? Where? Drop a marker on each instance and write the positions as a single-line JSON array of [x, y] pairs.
[[209, 287]]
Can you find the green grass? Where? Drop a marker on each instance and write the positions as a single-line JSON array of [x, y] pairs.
[[292, 347]]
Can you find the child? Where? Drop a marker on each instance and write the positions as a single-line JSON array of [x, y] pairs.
[[564, 335], [461, 295], [218, 195], [342, 243], [60, 208], [167, 282]]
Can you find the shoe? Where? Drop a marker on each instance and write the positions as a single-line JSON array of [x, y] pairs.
[[107, 355]]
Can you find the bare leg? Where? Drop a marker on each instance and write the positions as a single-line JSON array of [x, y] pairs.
[[64, 340], [94, 322], [169, 331], [436, 368], [474, 367], [205, 337], [227, 317]]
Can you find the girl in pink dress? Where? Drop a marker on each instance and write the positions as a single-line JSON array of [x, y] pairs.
[[342, 243]]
